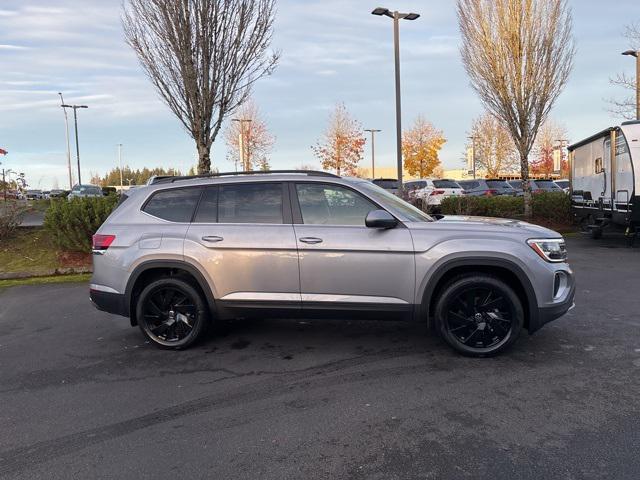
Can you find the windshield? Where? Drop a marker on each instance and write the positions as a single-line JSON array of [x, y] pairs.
[[445, 184], [547, 184], [499, 184], [411, 213]]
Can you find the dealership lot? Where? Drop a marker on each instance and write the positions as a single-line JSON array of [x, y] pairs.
[[83, 396]]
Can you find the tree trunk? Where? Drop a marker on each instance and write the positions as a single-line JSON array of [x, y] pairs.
[[204, 159], [526, 188]]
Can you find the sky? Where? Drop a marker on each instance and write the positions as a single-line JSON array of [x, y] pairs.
[[331, 51]]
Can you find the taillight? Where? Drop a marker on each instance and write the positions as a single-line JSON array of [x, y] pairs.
[[490, 193], [437, 192], [102, 242]]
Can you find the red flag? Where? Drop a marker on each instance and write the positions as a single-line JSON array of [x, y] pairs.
[[3, 152]]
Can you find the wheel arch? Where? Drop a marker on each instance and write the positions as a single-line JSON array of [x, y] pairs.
[[502, 268], [157, 269]]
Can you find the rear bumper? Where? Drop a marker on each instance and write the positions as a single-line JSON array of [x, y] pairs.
[[109, 302]]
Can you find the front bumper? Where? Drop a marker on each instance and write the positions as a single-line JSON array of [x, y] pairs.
[[109, 302], [552, 312]]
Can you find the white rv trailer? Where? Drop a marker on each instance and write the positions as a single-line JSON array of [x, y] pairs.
[[605, 179]]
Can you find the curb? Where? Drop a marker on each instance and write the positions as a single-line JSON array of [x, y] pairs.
[[45, 273]]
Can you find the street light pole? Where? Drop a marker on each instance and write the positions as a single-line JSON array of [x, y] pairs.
[[373, 150], [75, 122], [66, 131], [120, 163], [243, 144], [473, 154], [397, 16], [636, 53]]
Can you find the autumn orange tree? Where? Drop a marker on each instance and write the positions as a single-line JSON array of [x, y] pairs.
[[257, 140], [547, 141], [342, 145], [495, 151], [420, 147]]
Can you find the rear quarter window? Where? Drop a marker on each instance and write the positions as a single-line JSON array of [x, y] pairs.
[[175, 205]]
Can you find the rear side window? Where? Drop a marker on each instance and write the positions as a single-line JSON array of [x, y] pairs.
[[547, 184], [445, 184], [208, 207], [499, 184], [250, 203], [516, 183], [175, 205]]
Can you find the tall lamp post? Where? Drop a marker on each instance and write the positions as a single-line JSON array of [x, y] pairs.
[[397, 16], [120, 163], [243, 143], [75, 122], [473, 154], [636, 53], [66, 131], [373, 132]]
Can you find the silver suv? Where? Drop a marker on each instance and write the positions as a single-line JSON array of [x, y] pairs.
[[184, 251]]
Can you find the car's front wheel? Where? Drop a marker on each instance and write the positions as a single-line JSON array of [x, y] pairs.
[[479, 315], [171, 313]]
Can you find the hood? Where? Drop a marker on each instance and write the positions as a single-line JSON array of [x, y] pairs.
[[487, 225]]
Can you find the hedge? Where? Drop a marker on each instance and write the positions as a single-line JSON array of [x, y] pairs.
[[72, 223], [550, 208]]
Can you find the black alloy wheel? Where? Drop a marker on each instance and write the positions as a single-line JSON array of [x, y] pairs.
[[171, 313], [479, 315]]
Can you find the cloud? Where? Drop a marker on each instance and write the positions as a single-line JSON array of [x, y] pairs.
[[12, 47]]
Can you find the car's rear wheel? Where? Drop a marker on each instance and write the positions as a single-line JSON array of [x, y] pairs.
[[171, 313], [479, 315]]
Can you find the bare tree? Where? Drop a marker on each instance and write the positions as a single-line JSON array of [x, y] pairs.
[[257, 141], [495, 152], [626, 107], [518, 54], [202, 56]]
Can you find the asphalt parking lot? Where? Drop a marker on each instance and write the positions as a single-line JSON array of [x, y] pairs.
[[83, 396]]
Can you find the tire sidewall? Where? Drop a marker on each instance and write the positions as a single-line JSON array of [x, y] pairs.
[[201, 309], [460, 284]]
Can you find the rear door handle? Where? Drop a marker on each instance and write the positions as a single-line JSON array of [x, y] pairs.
[[212, 238], [311, 240]]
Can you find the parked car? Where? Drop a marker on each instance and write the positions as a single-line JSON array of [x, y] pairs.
[[33, 194], [389, 184], [56, 193], [488, 188], [564, 184], [536, 186], [432, 191], [85, 191], [174, 256]]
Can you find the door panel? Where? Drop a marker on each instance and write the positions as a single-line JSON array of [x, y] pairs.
[[344, 264], [247, 263]]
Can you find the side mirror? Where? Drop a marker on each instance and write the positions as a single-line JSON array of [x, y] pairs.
[[380, 219]]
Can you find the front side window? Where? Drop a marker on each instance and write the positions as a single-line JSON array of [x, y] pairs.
[[175, 205], [250, 203], [332, 205]]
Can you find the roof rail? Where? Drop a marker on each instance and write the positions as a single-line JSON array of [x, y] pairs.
[[174, 178]]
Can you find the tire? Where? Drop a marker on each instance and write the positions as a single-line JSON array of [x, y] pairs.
[[479, 315], [171, 313], [596, 233]]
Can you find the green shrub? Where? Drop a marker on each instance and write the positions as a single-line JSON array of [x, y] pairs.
[[499, 206], [553, 207], [549, 208], [72, 223]]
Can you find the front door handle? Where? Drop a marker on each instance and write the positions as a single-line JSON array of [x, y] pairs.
[[212, 238], [311, 240]]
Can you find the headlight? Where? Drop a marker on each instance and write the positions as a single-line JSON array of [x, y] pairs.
[[550, 249]]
